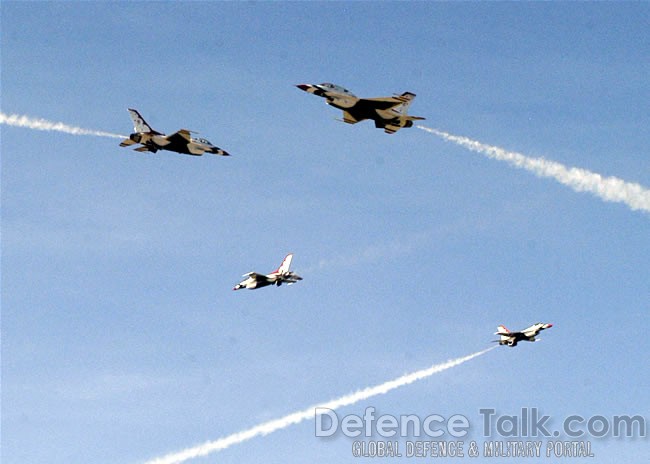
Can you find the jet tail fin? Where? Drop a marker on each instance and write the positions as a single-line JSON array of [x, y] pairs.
[[406, 98], [286, 264], [502, 330], [139, 124], [505, 336]]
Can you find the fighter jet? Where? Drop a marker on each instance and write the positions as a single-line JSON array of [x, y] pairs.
[[512, 338], [278, 277], [389, 113], [180, 142]]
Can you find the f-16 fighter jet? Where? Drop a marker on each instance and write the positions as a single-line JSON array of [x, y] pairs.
[[389, 113], [180, 142], [528, 335], [278, 277]]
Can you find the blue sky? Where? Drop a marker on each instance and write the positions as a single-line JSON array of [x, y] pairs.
[[121, 337]]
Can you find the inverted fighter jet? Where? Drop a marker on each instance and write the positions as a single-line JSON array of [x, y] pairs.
[[278, 277], [389, 113], [528, 335], [180, 142]]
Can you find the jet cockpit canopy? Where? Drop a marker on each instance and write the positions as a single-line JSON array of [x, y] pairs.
[[337, 88], [203, 141]]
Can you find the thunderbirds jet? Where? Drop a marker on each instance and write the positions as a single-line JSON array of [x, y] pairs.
[[389, 113], [180, 142], [277, 277], [512, 338]]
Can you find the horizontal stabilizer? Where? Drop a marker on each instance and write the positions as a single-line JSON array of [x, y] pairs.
[[406, 96]]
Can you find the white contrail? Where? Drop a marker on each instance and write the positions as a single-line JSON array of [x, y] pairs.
[[612, 189], [17, 120], [308, 413]]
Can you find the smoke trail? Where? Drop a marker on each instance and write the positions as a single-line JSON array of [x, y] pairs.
[[42, 124], [300, 416], [635, 196]]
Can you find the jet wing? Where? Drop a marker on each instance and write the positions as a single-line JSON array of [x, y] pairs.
[[347, 117], [531, 332], [384, 103], [183, 136], [181, 142], [533, 329], [260, 277]]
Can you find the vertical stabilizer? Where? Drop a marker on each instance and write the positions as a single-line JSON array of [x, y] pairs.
[[502, 330], [286, 264], [139, 124], [407, 98]]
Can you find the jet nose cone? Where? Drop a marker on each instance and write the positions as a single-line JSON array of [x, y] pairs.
[[549, 325], [304, 87]]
